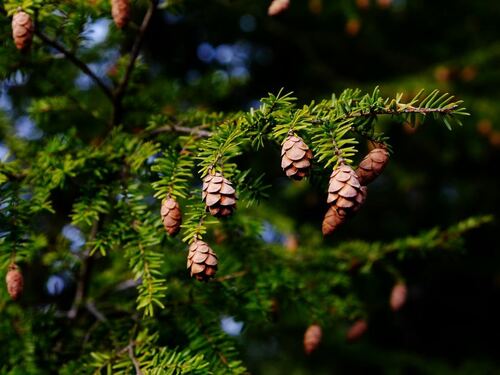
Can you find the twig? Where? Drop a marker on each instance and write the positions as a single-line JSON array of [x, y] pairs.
[[76, 61], [182, 129], [230, 276], [132, 357], [83, 275], [122, 87], [338, 151], [408, 109], [91, 307]]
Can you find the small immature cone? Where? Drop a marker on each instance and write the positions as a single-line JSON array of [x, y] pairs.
[[277, 6], [219, 195], [201, 261], [22, 30], [296, 158], [357, 330], [14, 281], [120, 10], [398, 296], [312, 338], [372, 165], [171, 216]]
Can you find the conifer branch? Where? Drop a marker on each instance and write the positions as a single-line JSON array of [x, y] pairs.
[[76, 61]]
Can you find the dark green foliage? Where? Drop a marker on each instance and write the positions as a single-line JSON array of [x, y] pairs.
[[110, 150]]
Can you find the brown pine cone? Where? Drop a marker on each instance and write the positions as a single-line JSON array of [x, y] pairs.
[[171, 216], [296, 158], [312, 338], [14, 281], [357, 330], [120, 10], [277, 6], [334, 217], [344, 189], [201, 261], [372, 165], [398, 296], [22, 30], [219, 195]]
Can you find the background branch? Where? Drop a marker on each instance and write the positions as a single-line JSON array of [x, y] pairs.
[[76, 61], [122, 87]]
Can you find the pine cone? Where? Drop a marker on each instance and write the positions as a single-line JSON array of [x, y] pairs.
[[372, 165], [296, 158], [312, 338], [345, 197], [219, 195], [344, 189], [120, 10], [333, 219], [357, 330], [171, 216], [14, 281], [201, 261], [22, 30], [398, 296], [278, 6]]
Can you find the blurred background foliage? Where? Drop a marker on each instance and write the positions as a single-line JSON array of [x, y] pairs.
[[224, 56]]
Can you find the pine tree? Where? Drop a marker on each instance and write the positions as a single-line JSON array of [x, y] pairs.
[[118, 161]]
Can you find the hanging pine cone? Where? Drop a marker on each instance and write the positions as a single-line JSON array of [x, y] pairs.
[[120, 10], [312, 338], [345, 197], [398, 296], [14, 281], [201, 261], [219, 195], [372, 165], [334, 217], [22, 30], [171, 216], [277, 6], [344, 189], [296, 157], [357, 330]]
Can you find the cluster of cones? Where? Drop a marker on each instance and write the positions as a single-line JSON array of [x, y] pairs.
[[346, 193], [347, 188], [219, 197], [313, 333], [23, 27]]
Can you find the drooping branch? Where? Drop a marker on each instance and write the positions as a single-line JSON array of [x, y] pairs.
[[134, 54], [77, 62]]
